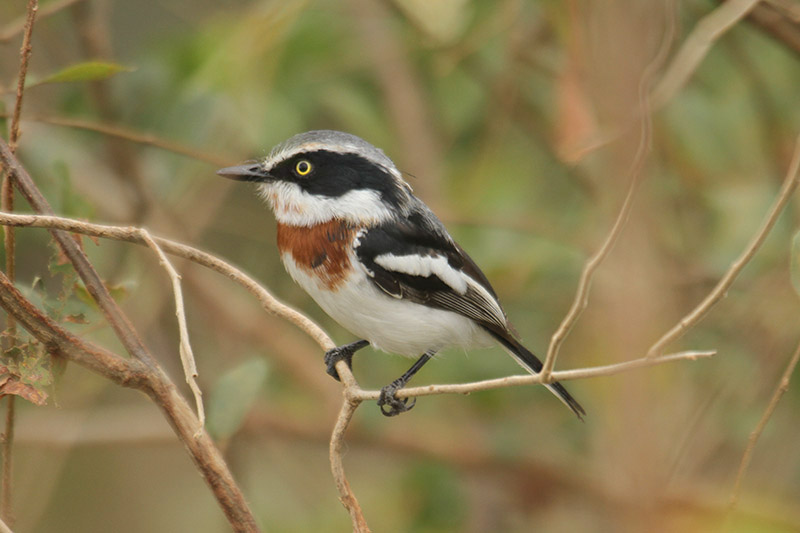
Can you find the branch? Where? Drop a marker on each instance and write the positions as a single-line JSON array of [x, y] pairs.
[[18, 26], [91, 279], [135, 374], [201, 448], [134, 136], [133, 235], [7, 203], [721, 289], [185, 348], [346, 496], [581, 300], [708, 30], [532, 379], [783, 386]]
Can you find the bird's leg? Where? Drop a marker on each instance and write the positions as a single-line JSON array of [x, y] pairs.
[[342, 353], [387, 397]]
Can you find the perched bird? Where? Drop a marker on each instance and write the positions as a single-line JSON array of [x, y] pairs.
[[376, 258]]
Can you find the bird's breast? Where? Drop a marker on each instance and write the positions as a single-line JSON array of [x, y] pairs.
[[321, 251]]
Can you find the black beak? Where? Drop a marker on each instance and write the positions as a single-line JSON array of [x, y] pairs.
[[248, 172]]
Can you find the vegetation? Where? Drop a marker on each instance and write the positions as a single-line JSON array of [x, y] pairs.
[[525, 125]]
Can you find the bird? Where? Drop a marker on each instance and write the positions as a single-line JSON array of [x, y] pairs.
[[376, 259]]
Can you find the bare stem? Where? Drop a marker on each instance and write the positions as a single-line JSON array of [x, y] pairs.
[[346, 496], [721, 288], [780, 389], [205, 455], [185, 347], [133, 234], [127, 134], [9, 242], [6, 505], [532, 379], [696, 46]]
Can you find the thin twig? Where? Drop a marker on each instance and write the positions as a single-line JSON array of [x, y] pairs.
[[346, 496], [721, 289], [131, 372], [9, 242], [8, 462], [146, 139], [532, 379], [24, 56], [202, 450], [636, 172], [17, 26], [185, 348], [131, 234], [782, 387], [4, 527], [696, 47]]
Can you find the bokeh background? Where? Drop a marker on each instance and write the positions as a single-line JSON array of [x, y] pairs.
[[517, 121]]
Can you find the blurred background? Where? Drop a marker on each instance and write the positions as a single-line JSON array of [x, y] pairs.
[[517, 122]]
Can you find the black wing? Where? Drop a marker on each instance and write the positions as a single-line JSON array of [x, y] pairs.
[[414, 258]]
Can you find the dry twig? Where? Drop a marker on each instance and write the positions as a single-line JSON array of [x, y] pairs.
[[17, 26], [185, 348], [783, 386], [7, 203], [720, 290], [158, 386], [696, 46]]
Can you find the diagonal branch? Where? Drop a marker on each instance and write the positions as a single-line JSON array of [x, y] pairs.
[[160, 388], [135, 374], [185, 348], [719, 291], [696, 47], [783, 386], [91, 279]]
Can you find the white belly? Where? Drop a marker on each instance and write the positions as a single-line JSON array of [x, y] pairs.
[[390, 324]]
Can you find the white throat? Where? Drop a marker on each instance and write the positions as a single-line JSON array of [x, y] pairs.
[[295, 207]]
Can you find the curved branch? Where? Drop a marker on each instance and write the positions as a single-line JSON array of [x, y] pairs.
[[718, 292], [346, 496]]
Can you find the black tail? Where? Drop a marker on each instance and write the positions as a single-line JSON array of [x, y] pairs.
[[532, 364]]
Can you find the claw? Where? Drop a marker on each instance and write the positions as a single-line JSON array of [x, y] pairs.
[[395, 405], [335, 355], [341, 353]]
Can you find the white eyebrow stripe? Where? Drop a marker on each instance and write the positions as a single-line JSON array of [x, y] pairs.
[[425, 266]]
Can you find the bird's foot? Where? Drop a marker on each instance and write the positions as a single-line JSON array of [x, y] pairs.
[[390, 404], [341, 353]]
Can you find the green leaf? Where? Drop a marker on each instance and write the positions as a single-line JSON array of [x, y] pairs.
[[794, 268], [88, 71], [233, 395]]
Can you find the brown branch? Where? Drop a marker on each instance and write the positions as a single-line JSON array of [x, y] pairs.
[[696, 46], [91, 279], [9, 241], [782, 387], [185, 348], [17, 26], [133, 234], [533, 379], [581, 300], [720, 290], [353, 394], [135, 374], [202, 450], [777, 23], [135, 137], [346, 496]]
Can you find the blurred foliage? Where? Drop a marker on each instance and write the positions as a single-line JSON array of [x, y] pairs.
[[515, 121]]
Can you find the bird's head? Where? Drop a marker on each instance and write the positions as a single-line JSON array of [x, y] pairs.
[[318, 176]]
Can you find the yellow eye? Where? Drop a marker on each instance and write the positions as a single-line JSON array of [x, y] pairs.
[[303, 168]]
